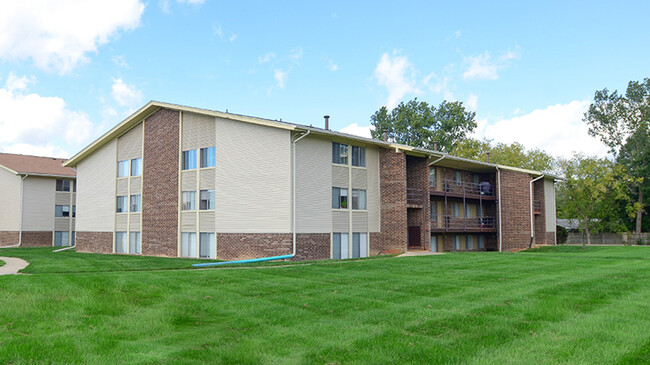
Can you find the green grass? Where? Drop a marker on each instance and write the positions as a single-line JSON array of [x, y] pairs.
[[549, 305]]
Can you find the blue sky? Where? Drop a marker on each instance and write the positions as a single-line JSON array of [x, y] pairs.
[[72, 69]]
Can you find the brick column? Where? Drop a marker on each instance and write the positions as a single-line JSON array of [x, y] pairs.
[[515, 210], [393, 222]]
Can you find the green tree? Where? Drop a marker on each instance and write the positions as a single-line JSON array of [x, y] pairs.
[[418, 124], [622, 123], [592, 191], [514, 154]]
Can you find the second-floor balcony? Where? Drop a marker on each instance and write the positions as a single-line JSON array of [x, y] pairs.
[[415, 198], [447, 223], [482, 190]]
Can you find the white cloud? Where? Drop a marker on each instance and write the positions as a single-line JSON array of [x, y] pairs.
[[396, 74], [485, 68], [281, 78], [164, 6], [232, 37], [296, 54], [267, 57], [58, 35], [34, 124], [472, 102], [557, 129], [332, 66], [358, 130], [120, 61], [124, 94], [192, 2]]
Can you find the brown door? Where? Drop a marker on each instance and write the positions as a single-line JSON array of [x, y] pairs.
[[414, 237]]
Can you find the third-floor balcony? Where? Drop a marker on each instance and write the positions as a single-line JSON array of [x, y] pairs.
[[446, 223], [454, 188]]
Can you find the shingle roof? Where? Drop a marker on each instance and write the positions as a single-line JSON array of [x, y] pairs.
[[25, 164]]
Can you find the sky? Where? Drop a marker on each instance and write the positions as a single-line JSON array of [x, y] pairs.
[[72, 69]]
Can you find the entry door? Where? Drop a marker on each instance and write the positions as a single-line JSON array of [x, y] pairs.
[[414, 237]]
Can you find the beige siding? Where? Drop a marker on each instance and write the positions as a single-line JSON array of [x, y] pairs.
[[9, 201], [359, 221], [136, 185], [198, 131], [62, 224], [339, 175], [134, 222], [74, 224], [61, 198], [39, 204], [372, 194], [96, 190], [253, 178], [340, 221], [129, 145], [207, 222], [549, 197], [188, 180], [359, 178], [188, 221], [208, 178], [313, 187], [121, 221], [123, 186]]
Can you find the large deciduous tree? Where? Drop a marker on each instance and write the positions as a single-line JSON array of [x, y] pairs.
[[418, 124], [514, 154], [622, 122]]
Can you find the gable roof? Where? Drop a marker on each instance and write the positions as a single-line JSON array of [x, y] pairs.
[[35, 165]]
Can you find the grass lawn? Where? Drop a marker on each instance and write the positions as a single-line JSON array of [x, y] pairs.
[[552, 305]]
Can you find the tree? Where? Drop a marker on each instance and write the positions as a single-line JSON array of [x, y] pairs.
[[592, 191], [514, 154], [622, 123], [419, 124]]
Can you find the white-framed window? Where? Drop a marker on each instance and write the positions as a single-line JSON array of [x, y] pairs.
[[339, 153], [62, 211], [468, 211], [469, 243], [359, 199], [207, 245], [136, 166], [135, 243], [339, 198], [61, 238], [359, 244], [481, 243], [432, 176], [358, 156], [189, 160], [433, 243], [433, 210], [188, 244], [455, 209], [206, 199], [121, 242], [208, 157], [340, 248], [457, 178], [189, 200], [136, 203], [122, 204], [457, 243], [62, 185], [123, 168]]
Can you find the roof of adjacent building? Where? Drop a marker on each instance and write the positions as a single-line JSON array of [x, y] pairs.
[[154, 106], [35, 165]]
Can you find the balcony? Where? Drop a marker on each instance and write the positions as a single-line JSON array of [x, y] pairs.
[[415, 198], [463, 189], [448, 223]]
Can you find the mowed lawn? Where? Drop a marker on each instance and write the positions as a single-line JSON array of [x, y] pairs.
[[554, 305]]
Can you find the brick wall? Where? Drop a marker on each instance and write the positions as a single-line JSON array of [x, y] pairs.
[[160, 184], [417, 177], [540, 219], [515, 210], [94, 242], [243, 246], [312, 246], [8, 238], [393, 222], [37, 239]]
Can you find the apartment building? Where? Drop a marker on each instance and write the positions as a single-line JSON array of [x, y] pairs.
[[177, 181], [38, 200]]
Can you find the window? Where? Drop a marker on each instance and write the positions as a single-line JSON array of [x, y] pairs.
[[481, 242], [122, 204], [358, 199], [207, 200], [120, 242], [339, 198], [189, 160], [136, 203], [123, 168], [74, 211], [433, 243], [61, 238], [468, 211], [434, 211], [62, 211], [358, 156], [457, 243], [74, 186], [189, 200], [208, 157], [62, 185], [475, 179], [136, 167], [457, 177], [469, 244], [340, 246], [135, 244], [359, 245], [74, 239], [340, 153], [455, 210], [188, 244], [432, 176], [207, 246]]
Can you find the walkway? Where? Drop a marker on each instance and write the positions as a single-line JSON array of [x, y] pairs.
[[419, 253], [12, 265]]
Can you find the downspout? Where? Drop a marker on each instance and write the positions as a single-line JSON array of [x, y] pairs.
[[555, 207], [438, 160], [500, 231], [22, 199], [532, 214], [293, 212]]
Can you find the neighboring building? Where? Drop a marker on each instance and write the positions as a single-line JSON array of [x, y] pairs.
[[38, 201], [185, 182]]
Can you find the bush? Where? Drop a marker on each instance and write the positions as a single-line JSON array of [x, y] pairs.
[[562, 234]]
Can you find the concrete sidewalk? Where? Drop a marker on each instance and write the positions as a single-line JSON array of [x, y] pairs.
[[419, 253], [12, 265]]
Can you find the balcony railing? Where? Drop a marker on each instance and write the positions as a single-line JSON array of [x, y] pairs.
[[465, 187], [415, 196], [450, 223]]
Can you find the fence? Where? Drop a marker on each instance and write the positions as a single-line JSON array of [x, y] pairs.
[[610, 238]]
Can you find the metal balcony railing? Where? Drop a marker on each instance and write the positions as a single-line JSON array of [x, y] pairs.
[[415, 196], [465, 187], [448, 223]]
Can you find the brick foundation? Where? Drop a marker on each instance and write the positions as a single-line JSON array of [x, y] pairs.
[[160, 184], [94, 242], [37, 239], [243, 246], [312, 246], [8, 238]]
